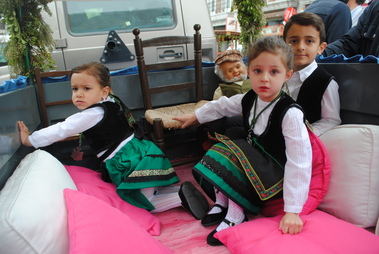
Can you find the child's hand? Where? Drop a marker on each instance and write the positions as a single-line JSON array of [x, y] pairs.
[[291, 223], [24, 133], [186, 120]]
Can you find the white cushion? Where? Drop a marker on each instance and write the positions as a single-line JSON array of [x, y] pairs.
[[33, 215], [354, 183]]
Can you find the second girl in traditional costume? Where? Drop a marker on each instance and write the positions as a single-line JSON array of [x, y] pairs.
[[271, 158]]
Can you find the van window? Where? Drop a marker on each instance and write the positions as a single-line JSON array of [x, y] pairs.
[[103, 16]]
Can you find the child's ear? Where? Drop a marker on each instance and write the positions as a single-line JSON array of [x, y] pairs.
[[322, 47], [289, 74], [106, 91]]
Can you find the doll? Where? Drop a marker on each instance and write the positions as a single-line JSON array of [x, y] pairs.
[[231, 70]]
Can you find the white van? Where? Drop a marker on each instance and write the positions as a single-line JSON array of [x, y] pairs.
[[96, 30]]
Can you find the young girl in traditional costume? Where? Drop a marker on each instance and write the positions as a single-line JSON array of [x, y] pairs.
[[136, 166], [272, 159]]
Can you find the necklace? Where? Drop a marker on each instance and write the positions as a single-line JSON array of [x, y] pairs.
[[255, 116]]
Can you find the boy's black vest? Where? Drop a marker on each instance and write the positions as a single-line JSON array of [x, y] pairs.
[[110, 131], [272, 138], [311, 93]]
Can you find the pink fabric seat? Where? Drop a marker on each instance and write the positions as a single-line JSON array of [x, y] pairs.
[[97, 228], [89, 182], [322, 233]]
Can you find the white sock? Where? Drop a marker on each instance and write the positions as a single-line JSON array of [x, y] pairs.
[[148, 192], [235, 214], [166, 198], [221, 199]]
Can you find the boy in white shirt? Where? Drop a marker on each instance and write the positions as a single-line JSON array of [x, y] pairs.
[[314, 89]]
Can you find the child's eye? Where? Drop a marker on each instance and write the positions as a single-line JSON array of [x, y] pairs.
[[87, 88], [256, 71], [310, 41], [274, 72], [293, 41], [74, 89]]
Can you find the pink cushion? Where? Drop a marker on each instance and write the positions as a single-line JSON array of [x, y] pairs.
[[322, 233], [319, 182], [89, 182], [97, 228]]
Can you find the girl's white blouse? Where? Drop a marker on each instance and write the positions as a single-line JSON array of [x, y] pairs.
[[72, 125]]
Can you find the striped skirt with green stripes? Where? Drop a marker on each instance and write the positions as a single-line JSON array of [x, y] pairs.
[[229, 167]]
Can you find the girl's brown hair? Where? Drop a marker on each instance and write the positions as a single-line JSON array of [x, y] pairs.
[[274, 45], [97, 70]]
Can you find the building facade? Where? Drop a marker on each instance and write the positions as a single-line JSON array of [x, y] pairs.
[[274, 12]]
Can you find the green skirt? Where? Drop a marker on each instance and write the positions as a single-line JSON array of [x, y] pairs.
[[139, 164], [227, 167]]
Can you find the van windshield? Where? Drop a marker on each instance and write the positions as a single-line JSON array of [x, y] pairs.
[[103, 16]]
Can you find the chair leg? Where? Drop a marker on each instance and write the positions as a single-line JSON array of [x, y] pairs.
[[158, 132]]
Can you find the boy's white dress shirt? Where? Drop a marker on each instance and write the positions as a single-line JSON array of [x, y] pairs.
[[330, 103]]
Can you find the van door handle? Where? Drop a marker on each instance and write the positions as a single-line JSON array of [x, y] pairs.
[[60, 43], [171, 54]]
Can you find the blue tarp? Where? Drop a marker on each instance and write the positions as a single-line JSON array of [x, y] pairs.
[[22, 81], [127, 71], [14, 84], [343, 59]]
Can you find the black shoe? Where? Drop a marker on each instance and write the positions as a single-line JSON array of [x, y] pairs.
[[214, 218], [212, 241], [193, 200]]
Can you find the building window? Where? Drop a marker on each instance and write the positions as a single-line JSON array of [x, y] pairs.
[[218, 6], [4, 37], [212, 5], [228, 4]]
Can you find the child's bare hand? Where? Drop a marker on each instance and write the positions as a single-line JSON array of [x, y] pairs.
[[291, 223], [186, 120], [24, 133]]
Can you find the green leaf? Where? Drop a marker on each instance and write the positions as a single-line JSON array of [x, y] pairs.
[[27, 32]]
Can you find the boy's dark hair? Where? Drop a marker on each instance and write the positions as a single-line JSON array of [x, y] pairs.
[[274, 45], [95, 69], [306, 19]]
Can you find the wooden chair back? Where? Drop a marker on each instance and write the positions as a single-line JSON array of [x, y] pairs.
[[143, 68], [41, 95]]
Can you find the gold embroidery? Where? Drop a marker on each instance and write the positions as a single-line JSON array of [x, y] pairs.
[[149, 172]]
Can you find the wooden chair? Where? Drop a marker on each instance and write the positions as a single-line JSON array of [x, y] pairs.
[[43, 104], [161, 118]]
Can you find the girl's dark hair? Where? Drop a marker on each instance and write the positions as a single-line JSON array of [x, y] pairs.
[[97, 70], [306, 19], [274, 45]]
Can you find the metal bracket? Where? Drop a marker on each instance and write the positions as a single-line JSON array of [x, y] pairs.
[[115, 50]]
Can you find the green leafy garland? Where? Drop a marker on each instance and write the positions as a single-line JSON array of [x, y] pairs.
[[251, 19], [31, 42]]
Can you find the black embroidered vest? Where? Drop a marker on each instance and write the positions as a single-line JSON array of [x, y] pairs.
[[110, 131], [311, 93], [272, 138]]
